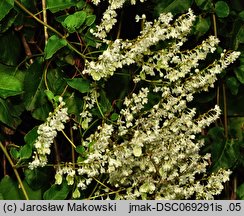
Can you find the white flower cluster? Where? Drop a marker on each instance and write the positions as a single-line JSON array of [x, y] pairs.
[[157, 156], [46, 134], [120, 53], [109, 17], [152, 152], [89, 102], [71, 178]]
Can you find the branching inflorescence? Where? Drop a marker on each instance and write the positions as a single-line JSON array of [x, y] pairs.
[[149, 152]]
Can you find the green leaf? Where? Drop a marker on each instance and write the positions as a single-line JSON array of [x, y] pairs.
[[240, 73], [5, 7], [241, 15], [80, 4], [240, 35], [233, 85], [203, 4], [104, 102], [90, 20], [202, 25], [11, 48], [178, 6], [235, 104], [9, 84], [50, 95], [114, 116], [34, 96], [90, 39], [25, 152], [224, 152], [6, 116], [8, 20], [14, 153], [56, 81], [58, 5], [222, 9], [235, 125], [42, 112], [54, 44], [32, 193], [80, 149], [37, 178], [240, 192], [79, 84], [9, 189], [74, 104], [74, 21], [57, 192]]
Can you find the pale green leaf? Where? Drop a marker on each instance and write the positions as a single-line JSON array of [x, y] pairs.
[[9, 84], [54, 44], [79, 84], [74, 21], [90, 20], [57, 192], [5, 7]]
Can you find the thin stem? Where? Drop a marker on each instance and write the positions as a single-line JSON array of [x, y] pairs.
[[49, 27], [225, 112], [93, 123], [72, 148], [98, 106], [15, 171], [57, 155], [27, 58], [37, 19], [120, 25], [27, 48], [68, 139], [215, 25], [44, 13], [45, 75]]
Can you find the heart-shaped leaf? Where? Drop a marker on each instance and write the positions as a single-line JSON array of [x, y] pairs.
[[54, 44], [222, 9]]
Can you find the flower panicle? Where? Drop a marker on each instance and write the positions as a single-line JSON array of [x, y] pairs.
[[47, 133]]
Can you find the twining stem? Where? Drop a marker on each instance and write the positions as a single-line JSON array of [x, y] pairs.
[[49, 27], [45, 75], [44, 13], [225, 112], [37, 19], [215, 25], [73, 149], [57, 155], [27, 48], [15, 171], [98, 106], [68, 139], [223, 87]]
